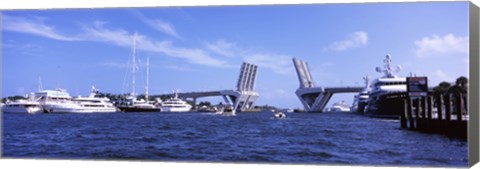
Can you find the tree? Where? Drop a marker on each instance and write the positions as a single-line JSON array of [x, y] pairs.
[[205, 103], [462, 82], [442, 88]]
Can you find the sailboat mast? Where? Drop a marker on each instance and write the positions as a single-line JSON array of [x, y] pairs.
[[133, 63], [148, 70], [40, 86]]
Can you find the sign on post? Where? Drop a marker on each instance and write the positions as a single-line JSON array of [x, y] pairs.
[[417, 86]]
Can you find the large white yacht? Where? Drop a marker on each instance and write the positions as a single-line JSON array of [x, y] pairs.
[[59, 101], [94, 103], [387, 92], [360, 100], [29, 106], [175, 104]]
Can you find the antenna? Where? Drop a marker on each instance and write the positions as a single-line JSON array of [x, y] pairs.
[[146, 87], [367, 80], [133, 63], [388, 68], [40, 86]]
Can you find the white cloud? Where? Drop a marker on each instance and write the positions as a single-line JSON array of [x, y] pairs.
[[179, 68], [221, 47], [158, 24], [98, 32], [32, 26], [123, 38], [353, 40], [440, 76], [436, 45], [279, 64], [164, 27]]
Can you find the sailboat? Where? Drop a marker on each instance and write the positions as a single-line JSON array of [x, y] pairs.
[[132, 103]]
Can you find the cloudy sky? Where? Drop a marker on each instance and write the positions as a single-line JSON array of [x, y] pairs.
[[202, 48]]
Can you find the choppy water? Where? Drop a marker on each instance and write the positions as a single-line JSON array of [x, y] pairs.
[[326, 138]]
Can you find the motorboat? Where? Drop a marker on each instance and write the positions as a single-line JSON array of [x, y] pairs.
[[175, 104], [29, 106], [59, 101], [228, 110], [95, 103], [340, 107], [387, 93], [280, 115]]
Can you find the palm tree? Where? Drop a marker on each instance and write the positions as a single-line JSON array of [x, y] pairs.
[[462, 82], [442, 88]]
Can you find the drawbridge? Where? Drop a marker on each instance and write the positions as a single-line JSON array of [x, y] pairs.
[[242, 98], [313, 98]]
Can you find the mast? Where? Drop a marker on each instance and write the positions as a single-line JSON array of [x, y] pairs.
[[133, 63], [146, 87], [40, 86]]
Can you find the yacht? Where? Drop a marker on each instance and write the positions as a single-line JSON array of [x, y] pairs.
[[132, 103], [29, 106], [340, 107], [94, 103], [59, 101], [227, 110], [385, 99], [175, 104], [360, 100]]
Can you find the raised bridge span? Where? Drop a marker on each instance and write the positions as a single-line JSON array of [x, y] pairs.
[[313, 98], [241, 99]]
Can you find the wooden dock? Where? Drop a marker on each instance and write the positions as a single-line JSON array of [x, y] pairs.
[[436, 114]]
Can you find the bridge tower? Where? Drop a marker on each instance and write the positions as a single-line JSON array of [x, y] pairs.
[[313, 98], [244, 96]]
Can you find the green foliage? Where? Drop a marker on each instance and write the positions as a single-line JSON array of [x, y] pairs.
[[205, 103], [12, 98]]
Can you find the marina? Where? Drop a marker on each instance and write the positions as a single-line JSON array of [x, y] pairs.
[[274, 84]]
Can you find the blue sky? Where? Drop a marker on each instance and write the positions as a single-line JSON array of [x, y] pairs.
[[202, 48]]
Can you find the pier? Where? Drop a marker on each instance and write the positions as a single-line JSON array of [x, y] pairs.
[[313, 98], [243, 98], [441, 114]]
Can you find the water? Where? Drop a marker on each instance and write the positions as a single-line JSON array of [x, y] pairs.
[[301, 138]]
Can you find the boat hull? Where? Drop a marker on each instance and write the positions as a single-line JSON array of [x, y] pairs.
[[138, 109], [22, 109], [175, 109], [387, 106]]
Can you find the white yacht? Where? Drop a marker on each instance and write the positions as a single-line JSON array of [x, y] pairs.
[[175, 104], [360, 100], [387, 92], [59, 101], [340, 107], [29, 106], [94, 103]]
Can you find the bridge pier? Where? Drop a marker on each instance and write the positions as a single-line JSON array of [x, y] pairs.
[[314, 99]]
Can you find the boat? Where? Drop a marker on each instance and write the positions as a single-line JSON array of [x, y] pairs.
[[385, 99], [340, 107], [228, 110], [360, 100], [29, 106], [280, 115], [175, 104], [95, 103], [59, 101], [131, 103]]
